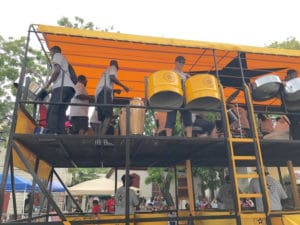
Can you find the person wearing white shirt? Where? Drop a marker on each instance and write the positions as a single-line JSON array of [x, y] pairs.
[[186, 115], [62, 91], [104, 94], [120, 198], [275, 191], [79, 114]]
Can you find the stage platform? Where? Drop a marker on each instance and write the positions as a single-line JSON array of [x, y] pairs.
[[65, 151]]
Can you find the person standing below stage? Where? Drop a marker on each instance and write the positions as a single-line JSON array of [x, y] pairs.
[[27, 202], [62, 91], [111, 205], [225, 195], [79, 114], [275, 191], [294, 119], [186, 115], [104, 94], [96, 207], [120, 198]]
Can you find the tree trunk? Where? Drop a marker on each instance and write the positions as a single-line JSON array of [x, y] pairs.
[[202, 188], [168, 197]]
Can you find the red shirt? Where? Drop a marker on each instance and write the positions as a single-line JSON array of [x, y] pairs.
[[111, 205], [96, 209]]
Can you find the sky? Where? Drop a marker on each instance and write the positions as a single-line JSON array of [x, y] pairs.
[[243, 22]]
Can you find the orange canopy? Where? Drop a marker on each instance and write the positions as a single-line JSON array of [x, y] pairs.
[[139, 56]]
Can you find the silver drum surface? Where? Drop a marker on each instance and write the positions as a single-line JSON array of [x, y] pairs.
[[266, 87], [292, 90]]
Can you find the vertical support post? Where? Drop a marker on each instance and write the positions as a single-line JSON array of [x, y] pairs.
[[4, 178], [26, 88], [49, 184], [127, 122], [294, 184], [116, 180], [127, 165], [36, 166], [12, 175], [146, 90], [13, 125], [176, 187], [190, 185]]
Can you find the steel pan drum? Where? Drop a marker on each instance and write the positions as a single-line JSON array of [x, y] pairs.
[[137, 118], [202, 92], [265, 87], [292, 90], [165, 89]]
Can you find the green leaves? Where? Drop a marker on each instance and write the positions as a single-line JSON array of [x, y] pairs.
[[83, 174], [289, 43], [11, 61], [78, 23]]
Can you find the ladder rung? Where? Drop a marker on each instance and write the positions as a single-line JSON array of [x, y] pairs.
[[246, 175], [252, 215], [245, 157], [244, 140], [251, 195]]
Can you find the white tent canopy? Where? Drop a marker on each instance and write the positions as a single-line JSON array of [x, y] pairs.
[[100, 186]]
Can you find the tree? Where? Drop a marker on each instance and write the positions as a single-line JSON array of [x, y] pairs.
[[79, 23], [83, 174], [11, 61], [163, 178], [289, 43], [209, 179]]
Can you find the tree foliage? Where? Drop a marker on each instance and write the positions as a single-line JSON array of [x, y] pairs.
[[78, 23], [149, 123], [289, 43], [11, 61], [163, 178], [83, 174], [210, 178]]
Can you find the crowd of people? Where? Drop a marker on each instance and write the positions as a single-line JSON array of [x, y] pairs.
[[280, 198]]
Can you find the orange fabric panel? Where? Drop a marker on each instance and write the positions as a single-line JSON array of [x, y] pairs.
[[139, 56]]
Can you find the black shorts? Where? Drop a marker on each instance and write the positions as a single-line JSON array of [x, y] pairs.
[[104, 111], [79, 123]]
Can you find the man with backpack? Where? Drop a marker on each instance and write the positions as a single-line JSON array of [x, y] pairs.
[[62, 92]]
